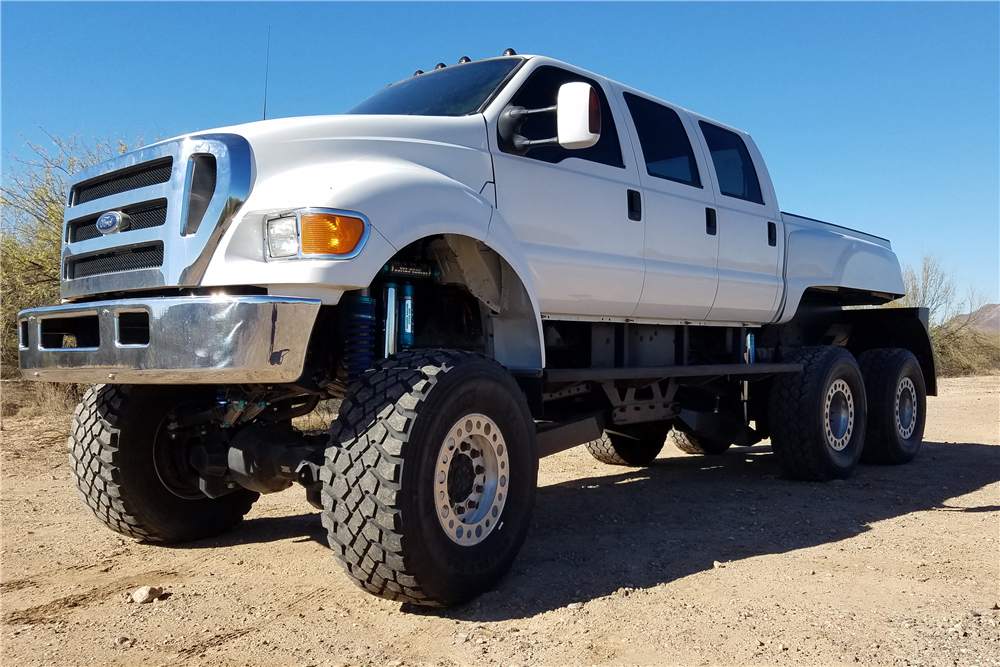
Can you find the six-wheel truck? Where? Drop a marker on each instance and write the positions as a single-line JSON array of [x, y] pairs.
[[488, 263]]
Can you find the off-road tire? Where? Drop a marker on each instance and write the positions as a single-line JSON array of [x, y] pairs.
[[618, 450], [895, 387], [799, 415], [693, 444], [379, 506], [111, 458]]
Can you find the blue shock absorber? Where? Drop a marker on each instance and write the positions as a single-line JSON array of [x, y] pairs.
[[406, 330], [359, 335]]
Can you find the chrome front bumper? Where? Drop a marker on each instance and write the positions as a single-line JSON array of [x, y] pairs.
[[190, 340]]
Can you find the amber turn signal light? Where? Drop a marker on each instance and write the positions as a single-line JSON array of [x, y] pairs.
[[330, 234]]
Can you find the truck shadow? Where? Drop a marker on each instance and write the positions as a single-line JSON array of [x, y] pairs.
[[636, 528]]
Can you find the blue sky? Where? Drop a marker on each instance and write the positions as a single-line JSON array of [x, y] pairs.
[[881, 116]]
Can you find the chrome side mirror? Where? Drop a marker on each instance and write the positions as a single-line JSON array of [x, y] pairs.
[[578, 116]]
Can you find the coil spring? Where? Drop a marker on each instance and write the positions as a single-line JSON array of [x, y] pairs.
[[359, 336]]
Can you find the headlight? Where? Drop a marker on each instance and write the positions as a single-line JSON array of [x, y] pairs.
[[282, 237], [317, 233]]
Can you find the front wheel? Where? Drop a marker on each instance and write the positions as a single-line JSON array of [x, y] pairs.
[[432, 470], [136, 479], [818, 416]]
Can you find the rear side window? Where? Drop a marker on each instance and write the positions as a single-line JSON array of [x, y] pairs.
[[665, 145], [733, 166], [539, 92]]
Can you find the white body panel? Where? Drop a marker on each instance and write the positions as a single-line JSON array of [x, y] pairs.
[[564, 229], [681, 257], [571, 219], [749, 269], [822, 255]]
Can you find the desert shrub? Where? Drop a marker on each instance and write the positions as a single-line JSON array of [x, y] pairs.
[[32, 200], [963, 343]]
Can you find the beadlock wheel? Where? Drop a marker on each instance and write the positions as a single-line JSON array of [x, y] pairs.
[[471, 479], [818, 416], [897, 405], [906, 408], [839, 415]]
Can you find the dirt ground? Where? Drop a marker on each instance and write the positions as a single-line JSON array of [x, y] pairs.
[[690, 561]]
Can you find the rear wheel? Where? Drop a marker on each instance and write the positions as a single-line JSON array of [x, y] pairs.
[[635, 446], [897, 405], [432, 470], [695, 444], [818, 415], [134, 477]]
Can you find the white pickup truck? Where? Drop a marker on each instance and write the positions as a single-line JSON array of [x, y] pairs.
[[488, 263]]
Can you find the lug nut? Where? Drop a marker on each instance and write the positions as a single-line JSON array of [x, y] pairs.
[[475, 453], [478, 488], [480, 470], [465, 446], [472, 504], [460, 510]]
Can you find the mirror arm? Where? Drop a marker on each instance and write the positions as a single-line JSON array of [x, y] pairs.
[[520, 143], [521, 112]]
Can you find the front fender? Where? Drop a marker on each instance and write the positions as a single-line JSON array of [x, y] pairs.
[[405, 202]]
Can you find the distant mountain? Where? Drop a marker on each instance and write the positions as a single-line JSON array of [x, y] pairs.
[[985, 319]]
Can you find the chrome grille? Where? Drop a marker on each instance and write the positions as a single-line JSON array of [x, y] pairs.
[[180, 195], [152, 173], [123, 259], [142, 216]]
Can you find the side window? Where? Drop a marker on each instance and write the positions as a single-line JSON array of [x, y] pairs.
[[540, 91], [733, 166], [665, 145]]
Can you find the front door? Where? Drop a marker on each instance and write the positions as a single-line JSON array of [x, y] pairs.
[[569, 208]]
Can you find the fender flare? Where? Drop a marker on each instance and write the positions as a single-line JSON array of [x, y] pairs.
[[404, 203]]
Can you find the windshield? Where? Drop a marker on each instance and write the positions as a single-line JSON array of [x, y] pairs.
[[451, 91]]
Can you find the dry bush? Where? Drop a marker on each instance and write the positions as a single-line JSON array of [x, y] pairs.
[[961, 350], [320, 418], [25, 398], [961, 347], [32, 200]]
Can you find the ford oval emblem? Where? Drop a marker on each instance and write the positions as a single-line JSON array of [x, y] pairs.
[[111, 222]]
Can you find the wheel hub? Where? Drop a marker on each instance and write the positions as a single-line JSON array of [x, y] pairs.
[[461, 476], [838, 415], [470, 480], [906, 408]]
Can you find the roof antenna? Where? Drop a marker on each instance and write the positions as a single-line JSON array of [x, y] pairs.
[[267, 62]]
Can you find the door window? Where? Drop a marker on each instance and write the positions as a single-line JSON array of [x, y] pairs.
[[539, 92], [665, 145], [733, 166]]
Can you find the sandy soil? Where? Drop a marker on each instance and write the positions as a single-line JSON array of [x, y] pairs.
[[896, 566]]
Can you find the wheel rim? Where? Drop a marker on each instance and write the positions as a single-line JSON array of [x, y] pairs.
[[838, 415], [471, 479], [906, 408]]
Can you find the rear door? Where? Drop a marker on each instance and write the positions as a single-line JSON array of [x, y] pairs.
[[749, 228], [569, 208], [681, 244]]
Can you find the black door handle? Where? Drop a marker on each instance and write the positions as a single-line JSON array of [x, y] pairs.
[[772, 234], [634, 205], [711, 224]]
